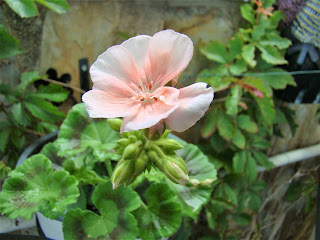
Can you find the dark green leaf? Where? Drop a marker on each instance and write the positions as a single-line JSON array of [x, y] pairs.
[[277, 81], [242, 219], [19, 114], [251, 168], [254, 202], [4, 136], [226, 126], [24, 8], [235, 47], [239, 139], [9, 46], [210, 124], [262, 159], [239, 161], [52, 92], [239, 67]]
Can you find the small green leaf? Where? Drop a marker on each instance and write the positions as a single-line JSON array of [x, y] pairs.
[[34, 186], [271, 55], [235, 47], [248, 54], [162, 216], [59, 6], [245, 123], [262, 159], [238, 139], [239, 67], [242, 219], [251, 168], [27, 78], [4, 136], [215, 51], [233, 100], [254, 202], [261, 143], [224, 191], [239, 161], [247, 12], [277, 81], [210, 124], [24, 8], [274, 39], [52, 92], [267, 111], [226, 126], [19, 114], [9, 46]]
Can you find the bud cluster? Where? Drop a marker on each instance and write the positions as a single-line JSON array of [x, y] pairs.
[[139, 153]]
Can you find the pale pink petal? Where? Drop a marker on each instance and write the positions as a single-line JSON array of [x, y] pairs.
[[147, 116], [170, 53], [168, 95], [116, 64], [138, 48], [102, 104], [194, 101]]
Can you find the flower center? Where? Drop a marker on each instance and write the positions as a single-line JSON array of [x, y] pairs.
[[146, 97]]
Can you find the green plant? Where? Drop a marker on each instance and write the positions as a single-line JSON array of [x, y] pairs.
[[243, 117], [81, 191]]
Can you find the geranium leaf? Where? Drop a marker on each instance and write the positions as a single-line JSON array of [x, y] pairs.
[[59, 6], [34, 186], [162, 215], [115, 207]]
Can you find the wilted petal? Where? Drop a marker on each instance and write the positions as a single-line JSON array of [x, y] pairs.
[[102, 104], [116, 63], [170, 53], [194, 101]]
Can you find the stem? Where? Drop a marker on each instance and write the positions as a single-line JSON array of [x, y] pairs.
[[64, 85], [109, 167]]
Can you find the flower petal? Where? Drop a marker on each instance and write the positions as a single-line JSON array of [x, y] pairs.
[[194, 101], [102, 104], [170, 53], [116, 64], [138, 48], [147, 116]]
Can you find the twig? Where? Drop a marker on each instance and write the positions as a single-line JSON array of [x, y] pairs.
[[64, 85]]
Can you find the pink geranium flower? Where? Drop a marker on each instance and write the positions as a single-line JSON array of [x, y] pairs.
[[129, 82]]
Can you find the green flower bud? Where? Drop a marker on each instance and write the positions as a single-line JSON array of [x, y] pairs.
[[123, 142], [133, 138], [115, 124], [168, 144], [140, 163], [153, 156], [174, 172], [180, 162], [165, 134], [122, 173], [132, 151]]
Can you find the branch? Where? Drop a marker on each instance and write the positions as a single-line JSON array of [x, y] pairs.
[[64, 85]]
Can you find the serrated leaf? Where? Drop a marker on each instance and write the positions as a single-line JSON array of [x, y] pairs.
[[267, 111], [255, 83], [261, 143], [238, 139], [277, 81], [262, 159], [242, 219], [233, 100], [239, 161], [162, 215], [224, 191], [217, 143], [210, 124], [271, 55], [226, 126], [115, 207], [52, 92], [33, 186], [247, 13], [59, 6], [274, 39], [9, 46], [245, 123], [254, 202], [27, 78], [248, 54], [24, 8], [215, 51]]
